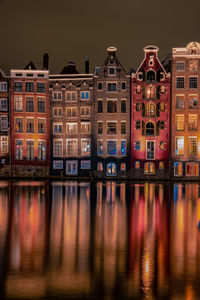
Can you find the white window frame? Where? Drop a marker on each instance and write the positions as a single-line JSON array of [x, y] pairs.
[[86, 162], [54, 140], [71, 162], [57, 162]]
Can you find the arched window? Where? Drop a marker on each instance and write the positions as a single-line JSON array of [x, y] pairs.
[[123, 167], [161, 165], [149, 168], [100, 166], [151, 77], [137, 164], [150, 128], [111, 169], [149, 110], [150, 93]]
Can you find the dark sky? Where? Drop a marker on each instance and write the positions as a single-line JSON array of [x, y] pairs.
[[71, 30]]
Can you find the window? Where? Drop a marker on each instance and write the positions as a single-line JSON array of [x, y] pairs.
[[192, 145], [72, 167], [193, 66], [30, 125], [41, 87], [123, 106], [180, 122], [179, 146], [193, 82], [180, 66], [41, 125], [150, 93], [4, 123], [18, 103], [163, 89], [123, 167], [123, 85], [192, 169], [71, 111], [57, 164], [41, 104], [137, 125], [150, 149], [100, 167], [3, 86], [180, 82], [71, 128], [29, 87], [178, 169], [150, 130], [4, 104], [85, 147], [111, 169], [161, 165], [85, 95], [18, 86], [18, 125], [111, 147], [85, 127], [99, 147], [57, 111], [162, 145], [41, 150], [193, 101], [137, 145], [30, 149], [100, 86], [111, 70], [123, 147], [162, 124], [57, 127], [162, 106], [57, 95], [85, 110], [149, 168], [149, 110], [71, 147], [151, 77], [57, 148], [111, 127], [138, 106], [100, 127], [192, 122], [180, 101], [4, 144], [18, 149], [123, 127], [137, 165], [111, 87], [111, 106], [100, 106], [29, 104], [85, 164], [71, 96]]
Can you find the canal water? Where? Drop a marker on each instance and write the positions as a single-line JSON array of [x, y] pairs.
[[104, 240]]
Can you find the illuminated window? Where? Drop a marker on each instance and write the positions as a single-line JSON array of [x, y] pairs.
[[71, 111], [57, 127], [30, 125], [111, 169], [72, 167], [29, 87], [57, 148], [179, 146], [123, 127], [99, 147], [85, 164], [137, 145], [41, 105], [71, 96], [18, 149], [30, 149], [180, 66], [71, 128], [161, 165], [180, 101], [162, 89], [180, 82], [41, 150], [111, 87], [178, 169], [85, 147], [85, 127], [18, 86], [138, 89], [193, 101], [71, 147], [192, 123], [57, 111], [192, 145], [123, 106], [137, 165], [100, 106], [150, 129], [4, 144], [41, 125], [149, 168], [137, 126], [111, 127], [150, 93], [4, 104], [193, 82], [123, 147], [149, 110], [111, 147], [123, 85], [85, 95], [100, 167], [57, 95], [3, 86], [85, 110], [41, 87], [29, 104], [180, 122], [162, 145], [151, 77], [192, 169], [100, 86], [18, 125], [162, 106], [150, 149], [100, 127], [18, 103], [123, 167], [111, 106]]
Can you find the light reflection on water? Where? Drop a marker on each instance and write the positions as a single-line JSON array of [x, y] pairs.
[[108, 240]]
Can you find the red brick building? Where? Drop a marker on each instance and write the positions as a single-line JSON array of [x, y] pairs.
[[150, 116], [30, 121]]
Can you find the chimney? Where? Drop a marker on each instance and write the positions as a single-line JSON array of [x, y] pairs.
[[112, 50], [87, 66], [46, 61]]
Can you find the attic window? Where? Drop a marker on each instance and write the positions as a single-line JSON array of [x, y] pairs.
[[111, 71], [29, 75], [18, 74], [40, 75]]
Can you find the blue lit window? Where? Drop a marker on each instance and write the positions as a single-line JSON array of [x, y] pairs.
[[123, 147], [85, 95], [137, 145], [111, 169]]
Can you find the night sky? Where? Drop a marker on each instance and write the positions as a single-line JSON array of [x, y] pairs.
[[72, 30]]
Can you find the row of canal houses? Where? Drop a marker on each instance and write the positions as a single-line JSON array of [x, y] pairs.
[[139, 125]]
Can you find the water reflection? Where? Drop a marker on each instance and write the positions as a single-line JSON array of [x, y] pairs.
[[108, 240]]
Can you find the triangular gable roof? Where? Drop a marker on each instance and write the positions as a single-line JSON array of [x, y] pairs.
[[2, 74], [30, 66]]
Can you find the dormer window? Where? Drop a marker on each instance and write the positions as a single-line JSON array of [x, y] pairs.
[[111, 70], [151, 61], [151, 76]]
